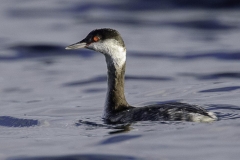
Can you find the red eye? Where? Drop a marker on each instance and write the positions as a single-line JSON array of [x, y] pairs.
[[96, 38]]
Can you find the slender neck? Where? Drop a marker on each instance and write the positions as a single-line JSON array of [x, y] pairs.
[[115, 100]]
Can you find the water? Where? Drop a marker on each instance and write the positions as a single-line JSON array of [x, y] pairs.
[[52, 99]]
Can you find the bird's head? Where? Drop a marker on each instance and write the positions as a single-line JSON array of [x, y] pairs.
[[106, 41], [101, 40]]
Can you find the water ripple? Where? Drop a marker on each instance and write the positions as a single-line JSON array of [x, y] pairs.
[[115, 128], [217, 55], [77, 157], [8, 121], [235, 75], [225, 112], [222, 89], [25, 51], [104, 79]]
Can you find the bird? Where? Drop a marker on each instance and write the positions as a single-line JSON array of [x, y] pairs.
[[116, 109]]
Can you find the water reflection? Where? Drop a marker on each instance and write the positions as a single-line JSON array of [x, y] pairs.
[[119, 139], [115, 129]]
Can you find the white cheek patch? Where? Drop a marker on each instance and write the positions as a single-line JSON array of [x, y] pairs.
[[111, 48]]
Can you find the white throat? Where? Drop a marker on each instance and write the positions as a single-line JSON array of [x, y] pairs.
[[115, 54]]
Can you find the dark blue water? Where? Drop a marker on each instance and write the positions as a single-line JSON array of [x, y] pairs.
[[51, 99]]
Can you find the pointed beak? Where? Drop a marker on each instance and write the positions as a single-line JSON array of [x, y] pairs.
[[81, 44]]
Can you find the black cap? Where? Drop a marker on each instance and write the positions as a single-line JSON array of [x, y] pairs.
[[103, 34]]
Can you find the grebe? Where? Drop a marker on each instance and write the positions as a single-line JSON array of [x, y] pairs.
[[117, 110]]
